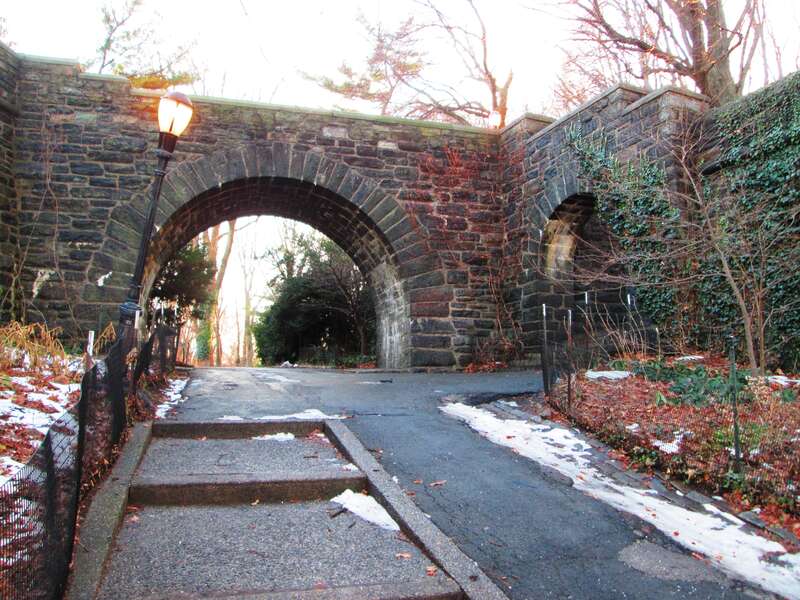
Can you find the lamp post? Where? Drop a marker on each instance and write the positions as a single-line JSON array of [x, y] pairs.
[[174, 113]]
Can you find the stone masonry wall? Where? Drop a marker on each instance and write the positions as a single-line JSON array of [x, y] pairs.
[[448, 223], [8, 213], [83, 145], [631, 123]]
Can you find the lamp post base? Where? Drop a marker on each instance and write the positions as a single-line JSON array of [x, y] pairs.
[[128, 311]]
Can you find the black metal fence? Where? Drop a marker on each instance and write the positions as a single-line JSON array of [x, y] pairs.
[[575, 338], [39, 504]]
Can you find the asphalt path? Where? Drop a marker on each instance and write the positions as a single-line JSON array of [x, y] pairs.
[[536, 536]]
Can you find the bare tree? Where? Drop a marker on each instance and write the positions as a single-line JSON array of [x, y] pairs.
[[691, 41], [211, 239], [718, 234], [395, 76], [127, 49], [3, 29], [248, 262]]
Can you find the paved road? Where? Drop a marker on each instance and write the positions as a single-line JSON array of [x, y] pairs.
[[534, 535]]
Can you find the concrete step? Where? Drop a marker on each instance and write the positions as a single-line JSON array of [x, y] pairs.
[[428, 590], [233, 429], [235, 488], [270, 551], [208, 470]]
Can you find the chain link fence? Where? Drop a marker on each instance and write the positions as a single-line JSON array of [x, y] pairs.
[[39, 504]]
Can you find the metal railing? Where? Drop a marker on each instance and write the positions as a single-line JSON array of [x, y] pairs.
[[39, 504]]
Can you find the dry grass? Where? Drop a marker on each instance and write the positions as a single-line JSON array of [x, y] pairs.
[[37, 342], [105, 339]]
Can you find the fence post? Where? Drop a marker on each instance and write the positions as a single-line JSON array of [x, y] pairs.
[[737, 448], [545, 366], [570, 360]]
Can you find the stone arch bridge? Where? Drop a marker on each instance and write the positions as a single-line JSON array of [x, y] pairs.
[[444, 220]]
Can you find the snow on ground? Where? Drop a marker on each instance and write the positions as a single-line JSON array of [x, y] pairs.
[[310, 414], [674, 446], [174, 395], [367, 508], [275, 437], [607, 374], [783, 380], [35, 403], [717, 535], [690, 358]]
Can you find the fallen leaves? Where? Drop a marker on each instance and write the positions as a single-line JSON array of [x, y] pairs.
[[692, 442], [431, 571], [403, 555]]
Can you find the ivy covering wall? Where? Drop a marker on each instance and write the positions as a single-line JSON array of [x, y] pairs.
[[737, 213]]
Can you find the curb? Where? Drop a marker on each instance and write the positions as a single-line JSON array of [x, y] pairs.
[[104, 517], [419, 528]]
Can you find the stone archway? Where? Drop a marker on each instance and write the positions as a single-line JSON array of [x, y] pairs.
[[280, 180], [577, 264]]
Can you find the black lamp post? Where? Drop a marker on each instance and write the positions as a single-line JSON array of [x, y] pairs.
[[174, 113]]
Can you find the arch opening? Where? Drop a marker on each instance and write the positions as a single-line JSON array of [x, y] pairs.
[[577, 258], [327, 212]]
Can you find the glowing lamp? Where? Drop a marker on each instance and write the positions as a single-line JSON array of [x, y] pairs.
[[174, 113]]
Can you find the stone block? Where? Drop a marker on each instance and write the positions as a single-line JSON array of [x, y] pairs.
[[432, 358]]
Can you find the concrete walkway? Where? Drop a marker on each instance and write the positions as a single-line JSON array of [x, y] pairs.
[[531, 533]]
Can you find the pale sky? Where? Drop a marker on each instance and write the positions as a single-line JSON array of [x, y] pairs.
[[259, 49]]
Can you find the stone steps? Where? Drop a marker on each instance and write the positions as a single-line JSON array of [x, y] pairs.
[[222, 510]]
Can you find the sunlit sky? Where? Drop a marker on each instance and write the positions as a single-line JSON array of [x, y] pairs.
[[260, 49]]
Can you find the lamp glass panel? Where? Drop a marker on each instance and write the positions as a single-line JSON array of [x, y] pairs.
[[173, 117]]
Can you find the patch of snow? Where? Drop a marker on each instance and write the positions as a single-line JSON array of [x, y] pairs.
[[276, 437], [101, 281], [56, 397], [231, 418], [691, 358], [511, 403], [22, 381], [607, 374], [174, 394], [369, 382], [675, 445], [367, 508], [350, 467], [281, 378], [632, 427], [287, 365], [310, 414], [783, 380], [8, 466], [728, 546]]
